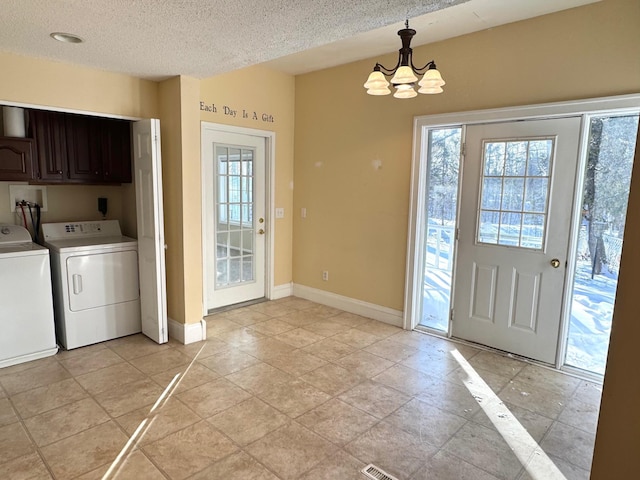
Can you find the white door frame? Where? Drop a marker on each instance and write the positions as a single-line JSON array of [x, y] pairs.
[[583, 108], [270, 150]]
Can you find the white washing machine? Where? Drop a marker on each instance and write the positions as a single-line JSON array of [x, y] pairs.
[[27, 330], [95, 281]]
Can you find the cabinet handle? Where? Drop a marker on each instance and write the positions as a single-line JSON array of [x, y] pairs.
[[96, 172], [59, 172]]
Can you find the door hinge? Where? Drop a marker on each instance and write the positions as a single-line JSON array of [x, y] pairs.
[[451, 314], [463, 149], [457, 233]]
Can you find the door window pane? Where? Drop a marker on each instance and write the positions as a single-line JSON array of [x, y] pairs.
[[510, 229], [535, 195], [515, 191], [512, 194], [539, 158], [516, 158], [234, 209], [489, 223], [492, 197], [532, 229], [494, 159]]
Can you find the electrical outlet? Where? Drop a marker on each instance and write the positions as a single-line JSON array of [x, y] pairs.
[[325, 275], [303, 213], [279, 212]]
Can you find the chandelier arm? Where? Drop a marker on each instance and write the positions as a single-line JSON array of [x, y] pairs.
[[387, 71], [422, 70]]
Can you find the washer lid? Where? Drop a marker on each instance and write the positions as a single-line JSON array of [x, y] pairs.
[[15, 241], [21, 249], [11, 234]]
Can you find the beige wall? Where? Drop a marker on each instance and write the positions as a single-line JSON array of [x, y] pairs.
[[192, 197], [170, 126], [52, 84], [356, 225], [180, 136], [68, 203], [263, 91], [46, 84]]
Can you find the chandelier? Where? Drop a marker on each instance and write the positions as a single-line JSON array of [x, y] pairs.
[[405, 73]]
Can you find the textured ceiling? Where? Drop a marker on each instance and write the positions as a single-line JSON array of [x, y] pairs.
[[157, 39]]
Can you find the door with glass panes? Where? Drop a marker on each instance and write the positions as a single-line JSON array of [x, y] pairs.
[[235, 222], [515, 216]]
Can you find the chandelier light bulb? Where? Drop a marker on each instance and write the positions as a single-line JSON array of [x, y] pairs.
[[405, 91]]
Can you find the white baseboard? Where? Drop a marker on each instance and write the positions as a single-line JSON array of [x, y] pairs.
[[186, 333], [351, 305], [281, 291]]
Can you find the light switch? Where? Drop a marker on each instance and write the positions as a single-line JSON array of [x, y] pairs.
[[279, 212]]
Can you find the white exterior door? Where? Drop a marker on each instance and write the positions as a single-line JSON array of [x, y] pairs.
[[150, 219], [234, 217], [515, 217]]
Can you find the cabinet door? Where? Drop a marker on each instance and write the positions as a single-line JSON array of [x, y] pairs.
[[15, 159], [48, 131], [85, 148], [117, 161]]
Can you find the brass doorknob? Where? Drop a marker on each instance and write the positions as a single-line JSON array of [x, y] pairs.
[[555, 263], [261, 232]]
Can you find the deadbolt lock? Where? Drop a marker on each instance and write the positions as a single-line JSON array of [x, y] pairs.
[[261, 220]]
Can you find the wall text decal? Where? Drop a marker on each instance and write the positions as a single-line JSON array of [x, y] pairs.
[[236, 113]]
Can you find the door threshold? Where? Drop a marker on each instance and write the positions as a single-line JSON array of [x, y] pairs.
[[226, 308], [565, 370]]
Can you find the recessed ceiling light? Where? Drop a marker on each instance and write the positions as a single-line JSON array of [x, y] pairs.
[[66, 37]]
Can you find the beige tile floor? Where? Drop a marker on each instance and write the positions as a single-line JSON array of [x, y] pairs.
[[293, 390]]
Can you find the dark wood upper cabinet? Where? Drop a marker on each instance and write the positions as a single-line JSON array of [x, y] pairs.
[[117, 153], [49, 133], [16, 156], [85, 148], [81, 149]]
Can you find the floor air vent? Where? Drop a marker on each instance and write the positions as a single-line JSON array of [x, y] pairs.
[[371, 471]]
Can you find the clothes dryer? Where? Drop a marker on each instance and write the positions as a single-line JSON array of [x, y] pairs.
[[95, 281]]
